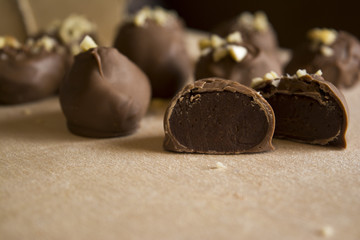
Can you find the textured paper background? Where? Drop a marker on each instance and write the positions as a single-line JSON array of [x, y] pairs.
[[55, 185]]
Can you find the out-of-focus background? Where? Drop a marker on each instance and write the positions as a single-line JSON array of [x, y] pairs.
[[105, 13], [291, 19]]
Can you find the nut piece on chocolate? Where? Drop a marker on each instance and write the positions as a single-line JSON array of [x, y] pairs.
[[336, 53], [154, 40], [70, 31], [217, 116], [307, 108], [30, 72], [104, 94], [255, 29], [231, 58]]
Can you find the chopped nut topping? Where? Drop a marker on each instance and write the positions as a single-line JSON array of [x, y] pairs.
[[141, 16], [2, 42], [326, 51], [219, 53], [46, 43], [319, 72], [275, 83], [261, 22], [87, 43], [270, 75], [238, 53], [234, 37], [301, 72], [158, 14], [223, 47], [74, 27], [75, 49], [323, 35], [205, 51], [258, 21], [246, 19], [8, 41], [217, 41], [256, 81], [204, 43]]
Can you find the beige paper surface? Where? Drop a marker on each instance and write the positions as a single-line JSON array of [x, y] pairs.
[[55, 185]]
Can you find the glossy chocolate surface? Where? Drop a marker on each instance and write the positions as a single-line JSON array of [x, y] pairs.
[[341, 68], [264, 39], [159, 50], [26, 75], [104, 94], [255, 64], [217, 116]]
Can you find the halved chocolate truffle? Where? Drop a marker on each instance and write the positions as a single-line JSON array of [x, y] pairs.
[[217, 116], [307, 108], [233, 59], [104, 94], [154, 40], [336, 53], [255, 29], [30, 72]]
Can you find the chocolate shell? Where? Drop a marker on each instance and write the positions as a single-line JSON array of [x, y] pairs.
[[217, 116], [339, 60], [255, 63], [307, 109], [29, 73], [158, 48], [254, 28], [104, 94]]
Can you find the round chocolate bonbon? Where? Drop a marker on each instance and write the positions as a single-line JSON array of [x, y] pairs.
[[104, 93]]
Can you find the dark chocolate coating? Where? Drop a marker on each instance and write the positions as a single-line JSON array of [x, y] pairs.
[[264, 40], [255, 64], [159, 51], [104, 94], [307, 109], [341, 69], [27, 76], [217, 116]]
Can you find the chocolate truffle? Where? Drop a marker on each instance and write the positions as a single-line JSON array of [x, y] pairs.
[[104, 94], [233, 59], [307, 108], [336, 53], [30, 72], [217, 116], [254, 28], [154, 40]]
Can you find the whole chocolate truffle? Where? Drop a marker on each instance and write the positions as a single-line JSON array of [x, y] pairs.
[[337, 54], [30, 72], [154, 40], [307, 108], [217, 116], [104, 94], [233, 59], [254, 28]]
